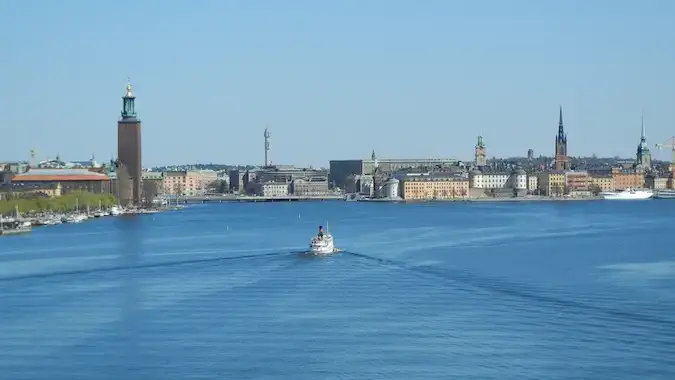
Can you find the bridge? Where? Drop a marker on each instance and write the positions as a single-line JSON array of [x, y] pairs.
[[247, 198]]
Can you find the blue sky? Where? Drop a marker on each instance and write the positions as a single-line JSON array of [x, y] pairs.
[[335, 79]]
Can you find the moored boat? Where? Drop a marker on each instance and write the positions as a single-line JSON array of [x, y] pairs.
[[665, 194], [628, 194]]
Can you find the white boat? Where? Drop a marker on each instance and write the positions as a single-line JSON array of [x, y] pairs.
[[628, 194], [322, 243], [665, 194], [114, 210]]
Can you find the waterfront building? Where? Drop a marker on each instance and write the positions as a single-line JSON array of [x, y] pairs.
[[628, 179], [311, 186], [532, 183], [188, 182], [341, 169], [602, 181], [498, 183], [656, 182], [551, 183], [270, 189], [392, 188], [68, 180], [577, 183], [129, 148], [561, 159], [430, 186]]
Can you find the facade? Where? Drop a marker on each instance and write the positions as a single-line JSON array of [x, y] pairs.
[[188, 183], [561, 159], [341, 169], [432, 186], [129, 147], [655, 182], [551, 183], [532, 183], [480, 156], [392, 188], [578, 182], [67, 180], [643, 157], [270, 189], [313, 186], [236, 182], [627, 179], [498, 183], [602, 182]]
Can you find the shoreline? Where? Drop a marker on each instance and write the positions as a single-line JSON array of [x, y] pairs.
[[468, 200]]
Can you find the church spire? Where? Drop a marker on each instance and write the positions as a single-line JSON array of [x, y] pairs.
[[643, 135], [561, 129]]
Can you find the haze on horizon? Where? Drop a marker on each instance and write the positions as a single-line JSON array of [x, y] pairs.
[[335, 80]]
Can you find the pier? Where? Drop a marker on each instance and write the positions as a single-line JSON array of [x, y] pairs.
[[247, 198]]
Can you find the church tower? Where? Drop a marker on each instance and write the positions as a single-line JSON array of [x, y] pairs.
[[643, 159], [480, 156], [561, 159]]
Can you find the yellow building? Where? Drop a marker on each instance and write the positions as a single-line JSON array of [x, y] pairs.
[[429, 187], [551, 183], [604, 182]]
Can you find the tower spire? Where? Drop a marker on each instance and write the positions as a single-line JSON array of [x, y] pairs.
[[561, 129], [643, 135]]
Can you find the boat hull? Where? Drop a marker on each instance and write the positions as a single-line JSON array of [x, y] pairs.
[[323, 246], [628, 197], [665, 194]]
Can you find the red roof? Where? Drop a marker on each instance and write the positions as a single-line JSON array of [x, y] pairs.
[[59, 178]]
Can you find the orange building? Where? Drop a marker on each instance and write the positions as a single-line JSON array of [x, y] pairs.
[[628, 179], [67, 180]]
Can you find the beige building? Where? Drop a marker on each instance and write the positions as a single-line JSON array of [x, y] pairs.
[[551, 183], [532, 183], [602, 182], [655, 182], [429, 187], [270, 189], [312, 186], [188, 183]]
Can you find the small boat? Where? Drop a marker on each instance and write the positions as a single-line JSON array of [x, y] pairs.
[[115, 210], [322, 243], [628, 194]]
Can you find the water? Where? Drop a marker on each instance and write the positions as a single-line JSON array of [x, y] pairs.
[[574, 290]]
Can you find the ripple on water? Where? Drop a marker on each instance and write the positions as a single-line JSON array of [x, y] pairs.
[[481, 291]]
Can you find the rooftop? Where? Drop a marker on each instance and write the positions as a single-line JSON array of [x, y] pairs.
[[48, 175]]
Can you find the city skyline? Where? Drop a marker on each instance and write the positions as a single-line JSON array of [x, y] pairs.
[[225, 71]]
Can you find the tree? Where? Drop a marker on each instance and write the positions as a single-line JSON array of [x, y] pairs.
[[595, 189], [453, 193], [123, 184], [220, 186], [566, 190], [462, 192], [178, 189], [150, 191]]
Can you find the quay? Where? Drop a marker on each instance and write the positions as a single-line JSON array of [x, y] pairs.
[[234, 198]]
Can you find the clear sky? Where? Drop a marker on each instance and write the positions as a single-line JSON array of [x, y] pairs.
[[335, 79]]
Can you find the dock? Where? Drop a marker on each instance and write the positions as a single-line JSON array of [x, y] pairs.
[[247, 198]]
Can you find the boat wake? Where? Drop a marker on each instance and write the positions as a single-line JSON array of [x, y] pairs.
[[118, 268]]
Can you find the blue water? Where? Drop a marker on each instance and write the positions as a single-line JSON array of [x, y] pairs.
[[573, 290]]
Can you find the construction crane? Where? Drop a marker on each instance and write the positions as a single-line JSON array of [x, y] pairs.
[[670, 143]]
